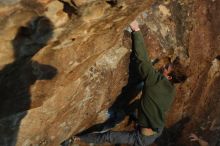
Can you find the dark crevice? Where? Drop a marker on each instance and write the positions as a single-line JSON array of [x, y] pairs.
[[218, 57], [112, 2], [70, 8], [120, 7], [179, 15], [171, 135]]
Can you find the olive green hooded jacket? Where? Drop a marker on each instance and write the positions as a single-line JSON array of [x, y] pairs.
[[157, 93]]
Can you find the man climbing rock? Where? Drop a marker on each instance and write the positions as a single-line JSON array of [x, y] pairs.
[[157, 95]]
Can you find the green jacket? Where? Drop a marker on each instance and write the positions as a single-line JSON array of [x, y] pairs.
[[157, 93]]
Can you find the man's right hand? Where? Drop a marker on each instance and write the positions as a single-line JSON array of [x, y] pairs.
[[134, 26]]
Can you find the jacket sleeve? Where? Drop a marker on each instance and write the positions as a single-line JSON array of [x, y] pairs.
[[145, 68]]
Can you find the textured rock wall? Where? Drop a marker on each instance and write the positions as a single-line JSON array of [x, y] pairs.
[[75, 64], [192, 34], [189, 30], [203, 91], [64, 64]]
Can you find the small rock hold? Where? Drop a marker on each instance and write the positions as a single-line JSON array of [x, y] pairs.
[[71, 62], [164, 10], [112, 2], [43, 142]]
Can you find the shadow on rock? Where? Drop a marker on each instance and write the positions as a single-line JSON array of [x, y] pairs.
[[170, 135], [17, 78]]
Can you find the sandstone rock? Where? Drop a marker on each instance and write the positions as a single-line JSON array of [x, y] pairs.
[[77, 63], [95, 11], [56, 14]]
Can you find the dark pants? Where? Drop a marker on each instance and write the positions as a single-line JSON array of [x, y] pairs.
[[134, 138]]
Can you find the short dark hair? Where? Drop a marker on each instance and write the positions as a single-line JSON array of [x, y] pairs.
[[177, 78], [178, 74]]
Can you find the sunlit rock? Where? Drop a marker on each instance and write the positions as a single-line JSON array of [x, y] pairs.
[[63, 64]]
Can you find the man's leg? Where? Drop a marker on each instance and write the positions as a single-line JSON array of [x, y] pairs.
[[112, 137]]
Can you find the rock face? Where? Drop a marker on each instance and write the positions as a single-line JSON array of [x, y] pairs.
[[64, 63]]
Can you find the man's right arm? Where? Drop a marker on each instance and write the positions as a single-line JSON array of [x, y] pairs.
[[145, 67]]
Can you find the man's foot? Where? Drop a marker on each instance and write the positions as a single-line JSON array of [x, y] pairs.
[[115, 117], [105, 127], [70, 141]]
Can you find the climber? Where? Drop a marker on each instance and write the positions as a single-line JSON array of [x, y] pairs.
[[157, 95]]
